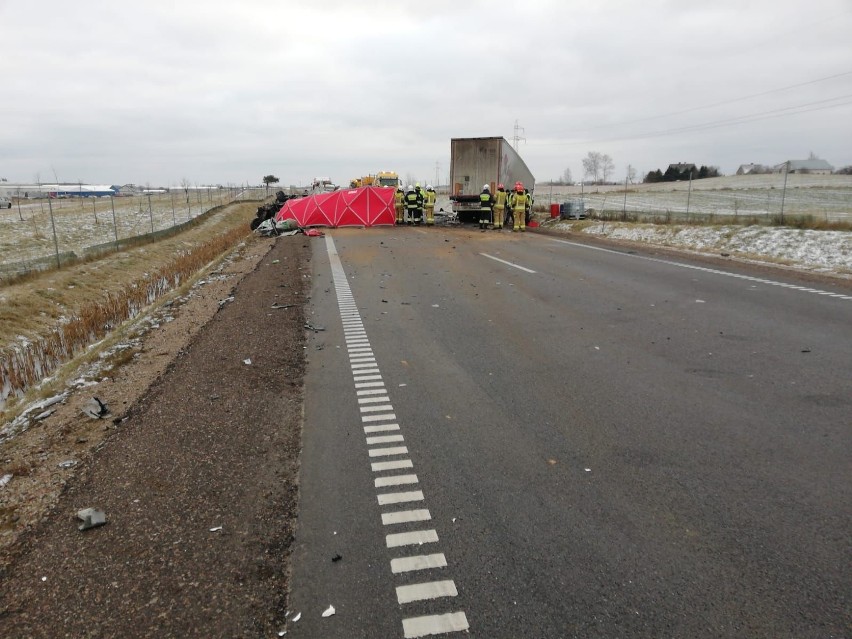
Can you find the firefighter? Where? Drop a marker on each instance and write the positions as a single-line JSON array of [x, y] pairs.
[[411, 205], [518, 202], [529, 203], [486, 204], [399, 204], [429, 204], [421, 195], [500, 199]]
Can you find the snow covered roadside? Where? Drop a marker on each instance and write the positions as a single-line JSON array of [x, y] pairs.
[[827, 252]]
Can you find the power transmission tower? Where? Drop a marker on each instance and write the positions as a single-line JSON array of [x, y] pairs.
[[517, 137]]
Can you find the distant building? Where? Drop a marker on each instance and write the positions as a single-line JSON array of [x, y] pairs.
[[753, 169], [814, 166]]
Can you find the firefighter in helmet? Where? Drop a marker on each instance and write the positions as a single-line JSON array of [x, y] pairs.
[[486, 204], [500, 199], [421, 198], [399, 204], [518, 202], [412, 205], [429, 198]]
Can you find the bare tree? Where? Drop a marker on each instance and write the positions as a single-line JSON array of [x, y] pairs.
[[566, 177], [631, 174], [607, 166], [592, 165]]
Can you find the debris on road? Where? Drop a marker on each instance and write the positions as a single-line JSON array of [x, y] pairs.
[[5, 479], [95, 409], [68, 463], [247, 361], [328, 611], [276, 305], [92, 518], [336, 557]]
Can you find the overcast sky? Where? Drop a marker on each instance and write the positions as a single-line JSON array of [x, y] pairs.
[[227, 92]]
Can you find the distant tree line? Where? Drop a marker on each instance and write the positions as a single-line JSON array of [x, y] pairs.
[[675, 174]]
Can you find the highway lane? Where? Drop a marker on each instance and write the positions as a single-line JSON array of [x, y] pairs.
[[607, 444]]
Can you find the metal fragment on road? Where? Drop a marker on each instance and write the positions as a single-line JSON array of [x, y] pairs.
[[247, 362], [92, 518], [216, 529], [5, 479], [328, 611], [95, 409], [68, 463], [297, 617]]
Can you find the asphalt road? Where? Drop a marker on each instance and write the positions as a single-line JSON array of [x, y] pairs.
[[583, 442]]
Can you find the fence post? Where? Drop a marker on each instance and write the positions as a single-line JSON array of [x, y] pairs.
[[784, 192], [688, 197], [114, 223], [150, 213], [53, 225]]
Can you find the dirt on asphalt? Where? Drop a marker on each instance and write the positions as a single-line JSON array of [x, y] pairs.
[[196, 470]]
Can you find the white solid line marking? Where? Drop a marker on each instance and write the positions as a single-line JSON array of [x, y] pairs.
[[385, 452], [523, 268], [379, 418], [395, 480], [428, 590], [384, 439], [397, 464], [364, 364], [380, 428], [413, 538], [376, 391], [400, 498], [406, 516], [748, 278], [414, 627], [419, 562]]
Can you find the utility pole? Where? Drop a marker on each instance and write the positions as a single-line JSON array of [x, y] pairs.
[[437, 169], [517, 137], [784, 192]]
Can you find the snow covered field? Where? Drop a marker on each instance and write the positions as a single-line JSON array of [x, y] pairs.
[[826, 197]]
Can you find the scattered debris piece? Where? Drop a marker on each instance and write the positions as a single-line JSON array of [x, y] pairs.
[[436, 306], [315, 329], [552, 462], [92, 518], [247, 361], [588, 470], [337, 557], [216, 529], [68, 463], [95, 409], [5, 479], [806, 350], [277, 305], [225, 301], [700, 302], [297, 617], [328, 611]]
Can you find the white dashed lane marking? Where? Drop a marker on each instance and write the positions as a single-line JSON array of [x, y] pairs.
[[381, 427]]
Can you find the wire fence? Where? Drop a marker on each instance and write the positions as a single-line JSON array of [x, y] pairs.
[[47, 233], [777, 196]]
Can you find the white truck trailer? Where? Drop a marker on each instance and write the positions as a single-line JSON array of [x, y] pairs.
[[478, 161]]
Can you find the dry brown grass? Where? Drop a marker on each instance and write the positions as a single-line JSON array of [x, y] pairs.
[[48, 320]]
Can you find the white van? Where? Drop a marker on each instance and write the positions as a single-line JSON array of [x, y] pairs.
[[5, 203]]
